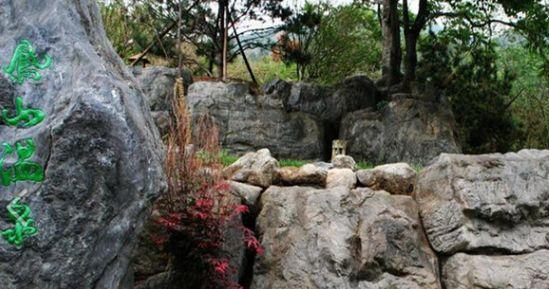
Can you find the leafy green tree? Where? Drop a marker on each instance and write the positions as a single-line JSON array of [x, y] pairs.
[[526, 17], [328, 44], [465, 68], [348, 42]]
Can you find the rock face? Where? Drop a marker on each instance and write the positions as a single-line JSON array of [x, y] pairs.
[[248, 122], [256, 168], [398, 179], [300, 120], [308, 174], [341, 177], [489, 203], [344, 162], [528, 271], [338, 238], [98, 146], [331, 103], [406, 130], [157, 83]]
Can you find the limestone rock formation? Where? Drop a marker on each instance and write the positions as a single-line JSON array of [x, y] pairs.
[[486, 203], [338, 238], [256, 168], [308, 174], [341, 177], [249, 122], [98, 145], [398, 179], [528, 271], [248, 193], [344, 162], [331, 103], [406, 130], [157, 82]]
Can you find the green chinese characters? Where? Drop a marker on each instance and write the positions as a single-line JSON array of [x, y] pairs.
[[15, 160], [25, 64], [23, 169], [23, 227], [23, 117]]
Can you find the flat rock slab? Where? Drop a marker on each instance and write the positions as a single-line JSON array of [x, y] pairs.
[[99, 147], [486, 203], [528, 271], [338, 238]]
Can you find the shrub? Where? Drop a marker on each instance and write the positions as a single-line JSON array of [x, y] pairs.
[[196, 211]]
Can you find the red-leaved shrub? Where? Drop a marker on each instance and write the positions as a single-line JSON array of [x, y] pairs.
[[197, 211]]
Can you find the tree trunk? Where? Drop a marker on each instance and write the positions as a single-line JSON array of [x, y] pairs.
[[392, 54], [221, 33], [411, 35]]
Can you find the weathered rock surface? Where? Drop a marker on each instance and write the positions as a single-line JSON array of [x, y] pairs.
[[486, 203], [98, 145], [337, 238], [248, 193], [331, 103], [157, 82], [250, 122], [398, 179], [255, 168], [341, 177], [308, 174], [528, 271], [406, 130], [344, 162]]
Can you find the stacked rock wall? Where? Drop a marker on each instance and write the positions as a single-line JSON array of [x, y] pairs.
[[463, 222]]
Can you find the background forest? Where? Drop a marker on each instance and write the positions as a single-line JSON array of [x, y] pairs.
[[488, 58]]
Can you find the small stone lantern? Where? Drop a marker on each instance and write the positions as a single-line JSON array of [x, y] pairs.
[[339, 147]]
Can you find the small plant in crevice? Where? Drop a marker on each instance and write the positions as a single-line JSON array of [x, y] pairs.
[[197, 211]]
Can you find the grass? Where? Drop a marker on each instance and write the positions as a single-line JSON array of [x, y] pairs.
[[291, 163], [227, 159], [364, 165]]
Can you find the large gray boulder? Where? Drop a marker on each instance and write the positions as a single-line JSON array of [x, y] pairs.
[[157, 82], [398, 179], [98, 146], [250, 122], [486, 203], [338, 238], [328, 103], [255, 168], [528, 271], [405, 130]]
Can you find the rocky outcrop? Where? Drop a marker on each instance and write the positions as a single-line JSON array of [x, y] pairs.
[[528, 271], [486, 203], [485, 216], [398, 179], [249, 122], [338, 238], [406, 130], [157, 82], [256, 168], [341, 177], [300, 120], [98, 146], [327, 103], [344, 162], [308, 174]]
